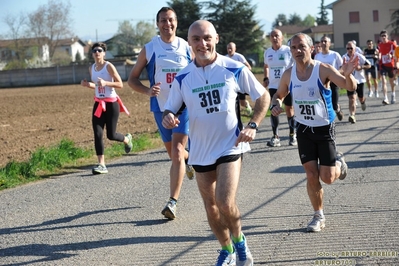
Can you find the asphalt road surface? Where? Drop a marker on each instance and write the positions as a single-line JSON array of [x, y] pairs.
[[115, 219]]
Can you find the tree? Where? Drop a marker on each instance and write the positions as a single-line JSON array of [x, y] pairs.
[[295, 19], [128, 37], [280, 21], [394, 24], [187, 12], [52, 21], [123, 41], [78, 58], [309, 21], [234, 22], [143, 33], [323, 19], [17, 26]]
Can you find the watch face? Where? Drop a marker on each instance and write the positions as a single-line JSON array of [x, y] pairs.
[[252, 125]]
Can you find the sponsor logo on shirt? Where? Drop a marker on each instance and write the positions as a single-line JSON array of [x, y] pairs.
[[311, 92]]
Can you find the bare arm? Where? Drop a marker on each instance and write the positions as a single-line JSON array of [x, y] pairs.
[[134, 77], [169, 120], [260, 108], [117, 83], [248, 65], [261, 105], [281, 92], [88, 84], [265, 75], [345, 80]]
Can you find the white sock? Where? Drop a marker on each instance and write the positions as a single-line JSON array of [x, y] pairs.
[[319, 212]]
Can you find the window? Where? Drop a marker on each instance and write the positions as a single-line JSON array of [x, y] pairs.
[[354, 17], [375, 16], [350, 37]]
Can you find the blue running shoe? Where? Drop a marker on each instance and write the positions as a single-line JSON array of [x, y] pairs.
[[226, 259], [244, 255]]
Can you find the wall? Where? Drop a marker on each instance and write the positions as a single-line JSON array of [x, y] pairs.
[[367, 28], [55, 75]]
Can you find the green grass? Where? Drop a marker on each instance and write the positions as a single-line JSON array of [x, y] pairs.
[[45, 162]]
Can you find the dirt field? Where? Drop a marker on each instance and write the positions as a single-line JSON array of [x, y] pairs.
[[41, 116]]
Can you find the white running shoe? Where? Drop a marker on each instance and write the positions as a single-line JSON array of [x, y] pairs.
[[316, 224]]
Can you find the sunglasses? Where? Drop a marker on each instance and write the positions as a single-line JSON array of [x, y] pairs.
[[349, 48], [97, 50], [383, 35]]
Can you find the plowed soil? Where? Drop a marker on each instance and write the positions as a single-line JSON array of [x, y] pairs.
[[41, 116]]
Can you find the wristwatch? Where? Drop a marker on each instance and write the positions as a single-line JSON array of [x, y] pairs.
[[253, 125]]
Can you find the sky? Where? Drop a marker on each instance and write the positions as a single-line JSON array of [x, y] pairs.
[[99, 20]]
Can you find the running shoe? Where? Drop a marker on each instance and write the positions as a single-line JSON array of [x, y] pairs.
[[352, 119], [274, 142], [393, 100], [370, 93], [340, 114], [226, 259], [344, 166], [377, 95], [170, 210], [99, 169], [190, 172], [243, 253], [293, 141], [363, 104], [385, 102], [316, 224], [129, 145]]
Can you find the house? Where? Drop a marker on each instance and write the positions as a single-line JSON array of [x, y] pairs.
[[315, 32], [361, 21], [129, 50], [38, 48], [71, 47], [26, 48]]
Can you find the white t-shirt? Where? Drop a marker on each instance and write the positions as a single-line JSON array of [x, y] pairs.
[[278, 61], [238, 57], [210, 95], [332, 58], [359, 74]]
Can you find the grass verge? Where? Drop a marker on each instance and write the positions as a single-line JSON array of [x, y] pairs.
[[45, 162]]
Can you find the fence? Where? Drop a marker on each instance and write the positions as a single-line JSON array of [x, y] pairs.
[[59, 75]]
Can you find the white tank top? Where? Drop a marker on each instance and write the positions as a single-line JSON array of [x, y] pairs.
[[102, 92], [311, 100], [165, 60]]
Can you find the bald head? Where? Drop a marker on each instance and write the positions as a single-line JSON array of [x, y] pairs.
[[276, 38], [203, 38], [231, 48], [203, 26], [276, 32]]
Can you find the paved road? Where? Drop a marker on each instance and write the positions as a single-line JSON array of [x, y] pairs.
[[114, 219]]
